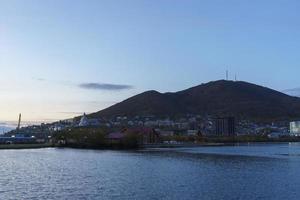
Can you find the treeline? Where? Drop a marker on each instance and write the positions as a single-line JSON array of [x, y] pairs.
[[95, 138]]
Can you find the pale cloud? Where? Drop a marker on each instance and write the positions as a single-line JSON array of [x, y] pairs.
[[105, 86]]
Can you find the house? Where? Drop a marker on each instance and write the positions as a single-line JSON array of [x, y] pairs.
[[146, 135], [115, 137], [165, 133], [84, 121], [192, 132], [276, 135]]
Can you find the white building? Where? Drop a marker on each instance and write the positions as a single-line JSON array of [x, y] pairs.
[[295, 128], [84, 121], [192, 132]]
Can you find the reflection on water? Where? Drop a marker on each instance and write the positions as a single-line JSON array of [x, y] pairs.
[[259, 150], [255, 171]]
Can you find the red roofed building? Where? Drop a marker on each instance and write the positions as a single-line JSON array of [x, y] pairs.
[[146, 135], [115, 137]]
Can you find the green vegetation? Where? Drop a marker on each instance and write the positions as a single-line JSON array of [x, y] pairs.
[[95, 138]]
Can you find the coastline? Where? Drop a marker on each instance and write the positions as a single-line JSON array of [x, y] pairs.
[[184, 145], [144, 146], [25, 146]]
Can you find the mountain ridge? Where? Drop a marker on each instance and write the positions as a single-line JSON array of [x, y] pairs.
[[217, 98]]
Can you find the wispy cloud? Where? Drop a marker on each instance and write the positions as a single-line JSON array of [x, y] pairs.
[[70, 112], [292, 92], [89, 85], [105, 86], [38, 79]]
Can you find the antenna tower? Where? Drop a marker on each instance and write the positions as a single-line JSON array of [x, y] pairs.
[[226, 75]]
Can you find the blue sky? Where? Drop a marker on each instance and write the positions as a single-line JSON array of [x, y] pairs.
[[59, 58]]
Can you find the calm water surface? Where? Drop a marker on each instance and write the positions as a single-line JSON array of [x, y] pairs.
[[255, 171]]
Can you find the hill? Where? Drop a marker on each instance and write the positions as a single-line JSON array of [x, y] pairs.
[[217, 98]]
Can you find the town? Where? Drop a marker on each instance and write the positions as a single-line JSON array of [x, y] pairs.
[[147, 130]]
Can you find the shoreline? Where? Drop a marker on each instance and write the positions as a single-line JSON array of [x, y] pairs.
[[212, 144], [25, 146], [145, 146]]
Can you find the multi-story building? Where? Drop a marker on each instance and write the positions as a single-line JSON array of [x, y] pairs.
[[225, 126], [295, 128]]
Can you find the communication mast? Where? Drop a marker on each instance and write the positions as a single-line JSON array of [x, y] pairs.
[[226, 75]]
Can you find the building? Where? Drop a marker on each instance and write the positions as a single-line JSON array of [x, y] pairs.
[[115, 137], [18, 140], [192, 132], [165, 133], [225, 126], [295, 128], [145, 135], [275, 135], [84, 121]]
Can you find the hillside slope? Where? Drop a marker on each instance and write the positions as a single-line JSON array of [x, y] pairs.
[[222, 97]]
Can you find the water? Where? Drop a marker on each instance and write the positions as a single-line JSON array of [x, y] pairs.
[[256, 171]]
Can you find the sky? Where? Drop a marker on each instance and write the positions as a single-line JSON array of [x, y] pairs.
[[60, 58]]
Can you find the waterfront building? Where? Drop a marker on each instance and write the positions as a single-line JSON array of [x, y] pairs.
[[145, 135], [295, 128], [115, 137], [225, 126], [276, 135], [17, 140]]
